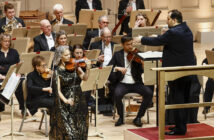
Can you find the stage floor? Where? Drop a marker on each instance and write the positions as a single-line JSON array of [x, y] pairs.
[[106, 124]]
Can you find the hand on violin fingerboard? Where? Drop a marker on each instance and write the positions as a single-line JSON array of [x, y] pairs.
[[121, 69]]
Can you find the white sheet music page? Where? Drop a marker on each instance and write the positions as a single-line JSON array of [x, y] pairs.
[[151, 54], [10, 86]]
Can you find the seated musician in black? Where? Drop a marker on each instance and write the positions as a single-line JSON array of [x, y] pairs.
[[86, 4], [106, 47], [58, 12], [126, 76], [38, 87], [8, 57]]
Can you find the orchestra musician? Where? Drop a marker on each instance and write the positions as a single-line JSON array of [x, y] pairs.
[[106, 46], [10, 18], [103, 21], [8, 57], [69, 119], [61, 40], [126, 76], [46, 40], [38, 86], [58, 12], [141, 20], [178, 51], [87, 4], [126, 7]]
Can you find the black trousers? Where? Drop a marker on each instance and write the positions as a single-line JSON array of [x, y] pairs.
[[42, 101], [179, 90], [122, 89], [208, 94]]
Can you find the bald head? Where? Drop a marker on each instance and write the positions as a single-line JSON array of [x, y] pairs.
[[106, 35], [45, 26]]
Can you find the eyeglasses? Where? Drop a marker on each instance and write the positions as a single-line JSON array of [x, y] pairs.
[[105, 22], [44, 65], [107, 36]]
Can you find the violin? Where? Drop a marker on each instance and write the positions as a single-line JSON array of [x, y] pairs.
[[132, 56], [47, 74], [74, 63]]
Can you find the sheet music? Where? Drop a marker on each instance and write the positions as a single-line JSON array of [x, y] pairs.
[[151, 54], [10, 86]]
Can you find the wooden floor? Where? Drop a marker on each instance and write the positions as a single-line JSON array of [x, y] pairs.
[[105, 124]]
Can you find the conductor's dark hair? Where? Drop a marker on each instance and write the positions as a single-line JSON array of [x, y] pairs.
[[175, 14], [126, 38]]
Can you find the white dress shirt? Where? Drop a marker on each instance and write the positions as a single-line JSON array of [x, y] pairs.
[[128, 79], [90, 4], [107, 53], [50, 41], [134, 7]]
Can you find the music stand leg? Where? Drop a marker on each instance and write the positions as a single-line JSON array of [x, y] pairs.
[[12, 133], [97, 133]]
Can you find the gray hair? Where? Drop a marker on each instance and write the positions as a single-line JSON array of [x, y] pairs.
[[58, 54], [4, 35], [101, 17], [57, 7], [104, 30]]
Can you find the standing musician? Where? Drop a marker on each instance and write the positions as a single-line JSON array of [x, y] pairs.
[[126, 76], [38, 86], [58, 12], [10, 19], [178, 51], [87, 4], [69, 119], [126, 7], [46, 40]]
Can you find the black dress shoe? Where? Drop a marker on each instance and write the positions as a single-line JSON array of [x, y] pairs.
[[119, 122], [206, 110], [172, 128], [137, 122], [175, 132]]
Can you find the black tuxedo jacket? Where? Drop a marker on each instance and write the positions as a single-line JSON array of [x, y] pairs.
[[65, 21], [89, 36], [121, 11], [82, 4], [178, 46], [118, 60], [40, 42], [3, 22], [98, 45]]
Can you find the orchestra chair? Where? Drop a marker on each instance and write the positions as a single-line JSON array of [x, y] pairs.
[[80, 29], [19, 32], [75, 39], [43, 110], [20, 44], [117, 39], [128, 112]]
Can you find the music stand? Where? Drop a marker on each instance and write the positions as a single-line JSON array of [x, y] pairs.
[[96, 80], [153, 56], [7, 95]]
